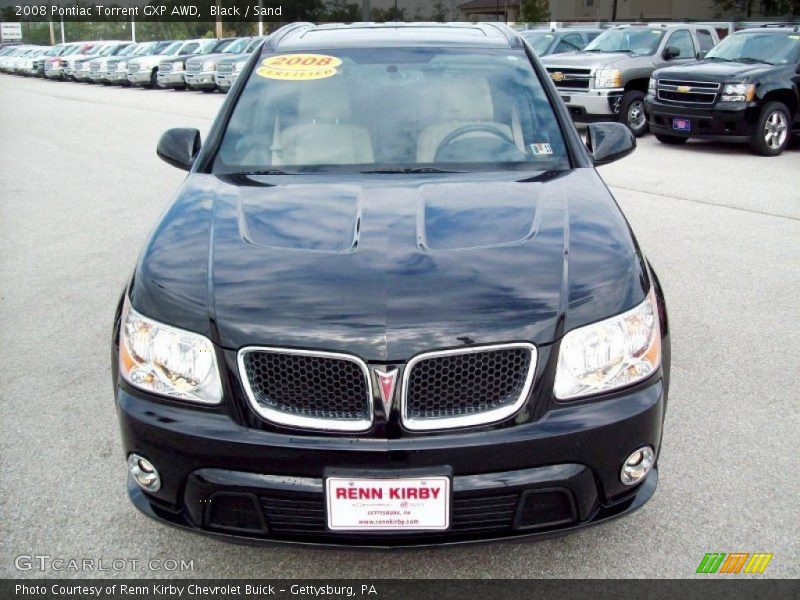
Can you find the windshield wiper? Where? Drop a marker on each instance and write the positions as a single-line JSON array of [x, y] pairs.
[[265, 172], [752, 59], [718, 58], [407, 170]]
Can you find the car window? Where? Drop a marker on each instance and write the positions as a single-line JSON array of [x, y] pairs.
[[392, 109], [705, 39], [190, 48], [681, 40], [237, 46], [769, 48], [172, 49], [253, 44], [569, 43], [220, 46], [540, 41], [636, 40]]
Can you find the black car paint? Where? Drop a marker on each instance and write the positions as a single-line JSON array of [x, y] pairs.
[[383, 267], [733, 121]]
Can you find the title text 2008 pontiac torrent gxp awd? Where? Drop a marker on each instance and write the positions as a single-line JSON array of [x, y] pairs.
[[393, 303]]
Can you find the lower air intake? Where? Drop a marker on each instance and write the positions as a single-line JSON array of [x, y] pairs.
[[544, 508]]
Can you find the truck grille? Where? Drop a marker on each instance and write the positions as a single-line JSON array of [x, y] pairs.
[[688, 92], [194, 67], [317, 390], [472, 386], [165, 68], [568, 78], [94, 65], [133, 67], [225, 68]]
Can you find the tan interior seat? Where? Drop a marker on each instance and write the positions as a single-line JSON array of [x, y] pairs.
[[323, 133], [457, 102]]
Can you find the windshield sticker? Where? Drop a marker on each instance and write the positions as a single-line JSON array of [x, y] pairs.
[[299, 67], [794, 37], [540, 149]]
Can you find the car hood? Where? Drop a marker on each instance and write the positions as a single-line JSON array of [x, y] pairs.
[[388, 268], [714, 70], [205, 57], [597, 60], [231, 58]]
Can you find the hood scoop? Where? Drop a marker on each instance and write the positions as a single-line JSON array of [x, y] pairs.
[[463, 216], [312, 218]]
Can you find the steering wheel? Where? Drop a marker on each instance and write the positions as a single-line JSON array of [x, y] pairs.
[[465, 129]]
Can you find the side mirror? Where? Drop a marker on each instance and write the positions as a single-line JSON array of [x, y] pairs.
[[670, 52], [608, 142], [179, 147]]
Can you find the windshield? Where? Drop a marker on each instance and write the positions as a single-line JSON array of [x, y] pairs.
[[540, 41], [94, 50], [237, 46], [108, 50], [636, 40], [203, 48], [172, 49], [377, 110], [127, 50], [770, 48], [253, 44]]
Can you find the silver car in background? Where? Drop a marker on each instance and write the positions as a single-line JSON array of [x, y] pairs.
[[98, 66], [143, 70], [228, 69]]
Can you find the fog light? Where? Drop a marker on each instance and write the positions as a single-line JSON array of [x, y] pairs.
[[144, 473], [637, 465]]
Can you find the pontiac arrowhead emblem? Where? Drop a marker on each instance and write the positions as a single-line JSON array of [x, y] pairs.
[[386, 383]]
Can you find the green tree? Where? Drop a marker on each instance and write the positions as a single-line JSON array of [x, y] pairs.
[[534, 11]]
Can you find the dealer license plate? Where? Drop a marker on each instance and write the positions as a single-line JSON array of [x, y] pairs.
[[681, 124], [355, 504]]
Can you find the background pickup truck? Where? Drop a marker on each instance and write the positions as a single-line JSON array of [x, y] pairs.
[[608, 80]]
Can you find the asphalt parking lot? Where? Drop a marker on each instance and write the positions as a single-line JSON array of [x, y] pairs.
[[81, 187]]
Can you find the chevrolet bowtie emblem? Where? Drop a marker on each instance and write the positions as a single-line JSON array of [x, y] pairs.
[[386, 383], [684, 89], [557, 76]]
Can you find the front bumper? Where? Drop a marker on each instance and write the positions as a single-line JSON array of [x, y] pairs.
[[594, 105], [225, 81], [53, 73], [204, 80], [205, 457], [118, 77], [139, 78], [171, 79], [734, 123]]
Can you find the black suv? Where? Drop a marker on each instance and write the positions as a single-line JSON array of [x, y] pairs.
[[392, 303], [745, 90]]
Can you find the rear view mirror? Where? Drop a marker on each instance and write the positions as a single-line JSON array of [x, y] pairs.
[[609, 142], [670, 52], [179, 147]]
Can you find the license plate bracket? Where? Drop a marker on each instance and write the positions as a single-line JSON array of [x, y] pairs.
[[681, 124], [388, 501]]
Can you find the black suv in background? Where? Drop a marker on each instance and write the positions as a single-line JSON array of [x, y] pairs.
[[745, 90]]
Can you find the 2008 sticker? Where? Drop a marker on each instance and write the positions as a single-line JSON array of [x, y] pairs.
[[299, 67]]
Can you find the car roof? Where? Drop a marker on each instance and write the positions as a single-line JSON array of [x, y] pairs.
[[770, 29], [301, 36]]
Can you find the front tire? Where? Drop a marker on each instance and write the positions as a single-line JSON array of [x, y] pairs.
[[631, 112], [772, 131], [673, 140]]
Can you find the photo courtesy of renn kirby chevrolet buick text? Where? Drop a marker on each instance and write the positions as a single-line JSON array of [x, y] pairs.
[[393, 303]]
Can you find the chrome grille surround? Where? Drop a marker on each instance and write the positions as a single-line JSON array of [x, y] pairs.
[[293, 419], [688, 92], [572, 79], [483, 417]]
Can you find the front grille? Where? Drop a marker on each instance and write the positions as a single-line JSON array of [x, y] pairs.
[[688, 92], [165, 67], [133, 68], [319, 390], [94, 65], [194, 67], [570, 78], [223, 68], [296, 516], [458, 388]]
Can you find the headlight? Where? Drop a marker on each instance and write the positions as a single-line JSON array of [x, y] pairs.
[[209, 65], [738, 92], [610, 354], [607, 78], [651, 86], [238, 66], [166, 360]]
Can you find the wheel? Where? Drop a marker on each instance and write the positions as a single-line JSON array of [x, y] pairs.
[[631, 112], [670, 139], [772, 130]]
